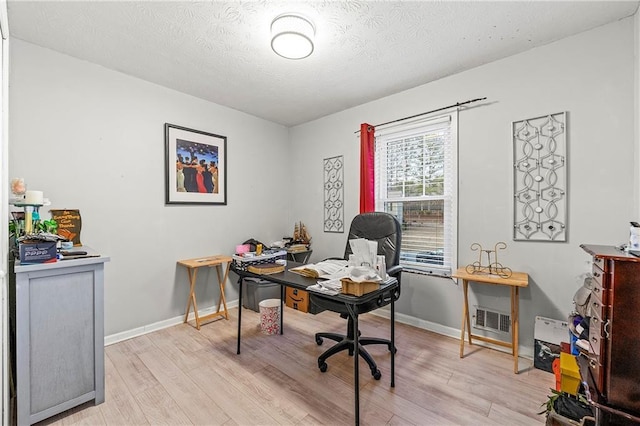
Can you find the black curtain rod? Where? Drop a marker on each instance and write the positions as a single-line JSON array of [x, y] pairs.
[[457, 104]]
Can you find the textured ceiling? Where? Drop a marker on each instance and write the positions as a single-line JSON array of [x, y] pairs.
[[365, 50]]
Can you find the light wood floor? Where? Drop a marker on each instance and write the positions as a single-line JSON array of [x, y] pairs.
[[183, 376]]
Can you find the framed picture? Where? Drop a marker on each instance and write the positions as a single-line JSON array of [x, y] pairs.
[[195, 166]]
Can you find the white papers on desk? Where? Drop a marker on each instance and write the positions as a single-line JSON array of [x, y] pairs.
[[331, 287], [326, 268], [360, 274], [365, 252]]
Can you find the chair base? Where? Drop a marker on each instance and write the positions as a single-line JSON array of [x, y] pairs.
[[346, 343]]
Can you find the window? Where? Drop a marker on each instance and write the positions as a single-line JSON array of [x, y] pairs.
[[417, 181]]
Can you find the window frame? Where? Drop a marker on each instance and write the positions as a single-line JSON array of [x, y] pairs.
[[423, 126]]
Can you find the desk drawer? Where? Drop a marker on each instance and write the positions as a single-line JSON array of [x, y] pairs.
[[297, 299]]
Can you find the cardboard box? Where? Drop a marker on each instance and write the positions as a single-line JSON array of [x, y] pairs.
[[358, 289], [548, 335], [297, 299], [36, 251]]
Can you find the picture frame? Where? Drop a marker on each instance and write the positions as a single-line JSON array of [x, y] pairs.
[[195, 166]]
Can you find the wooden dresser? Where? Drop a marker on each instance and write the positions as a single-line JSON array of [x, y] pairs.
[[611, 368]]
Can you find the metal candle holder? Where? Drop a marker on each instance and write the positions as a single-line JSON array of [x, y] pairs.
[[491, 268]]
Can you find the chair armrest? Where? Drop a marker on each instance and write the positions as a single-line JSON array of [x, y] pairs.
[[394, 271]]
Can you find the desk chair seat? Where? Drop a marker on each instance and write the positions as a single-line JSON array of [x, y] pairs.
[[385, 229]]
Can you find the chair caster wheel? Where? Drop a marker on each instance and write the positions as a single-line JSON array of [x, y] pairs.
[[319, 341], [323, 367], [376, 374]]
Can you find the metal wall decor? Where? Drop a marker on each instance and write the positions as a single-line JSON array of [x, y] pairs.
[[492, 267], [540, 178], [334, 194]]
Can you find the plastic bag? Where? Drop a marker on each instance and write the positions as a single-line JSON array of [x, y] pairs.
[[582, 297]]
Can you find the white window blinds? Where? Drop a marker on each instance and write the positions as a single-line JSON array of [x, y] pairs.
[[416, 180]]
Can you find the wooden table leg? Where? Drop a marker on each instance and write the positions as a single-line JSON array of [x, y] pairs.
[[468, 316], [465, 316], [193, 272], [222, 281], [515, 325]]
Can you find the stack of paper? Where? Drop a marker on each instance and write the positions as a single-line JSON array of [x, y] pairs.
[[321, 269], [331, 287], [365, 252]]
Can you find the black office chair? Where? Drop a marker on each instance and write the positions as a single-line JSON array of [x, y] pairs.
[[385, 229]]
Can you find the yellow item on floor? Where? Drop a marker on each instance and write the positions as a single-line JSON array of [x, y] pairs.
[[569, 374]]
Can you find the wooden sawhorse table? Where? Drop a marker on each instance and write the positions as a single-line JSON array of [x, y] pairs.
[[515, 281], [192, 266]]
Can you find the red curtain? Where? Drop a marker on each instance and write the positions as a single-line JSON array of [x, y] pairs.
[[367, 190]]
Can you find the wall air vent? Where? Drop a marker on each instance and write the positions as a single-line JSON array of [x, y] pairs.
[[492, 321]]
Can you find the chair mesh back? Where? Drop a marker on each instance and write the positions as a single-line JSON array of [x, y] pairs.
[[381, 227]]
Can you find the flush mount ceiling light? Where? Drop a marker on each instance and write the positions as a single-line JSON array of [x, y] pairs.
[[292, 36]]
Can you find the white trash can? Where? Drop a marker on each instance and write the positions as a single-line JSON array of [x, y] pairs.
[[270, 316]]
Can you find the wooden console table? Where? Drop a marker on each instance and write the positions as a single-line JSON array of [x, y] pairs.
[[192, 266], [515, 281]]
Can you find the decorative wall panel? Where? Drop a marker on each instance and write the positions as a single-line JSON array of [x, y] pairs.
[[334, 194], [540, 178]]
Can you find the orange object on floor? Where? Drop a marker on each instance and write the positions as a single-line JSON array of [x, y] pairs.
[[556, 371]]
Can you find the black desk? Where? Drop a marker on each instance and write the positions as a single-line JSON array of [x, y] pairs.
[[387, 294], [299, 256]]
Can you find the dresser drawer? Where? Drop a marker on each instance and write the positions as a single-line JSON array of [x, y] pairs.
[[599, 276], [597, 307], [596, 335], [602, 293], [597, 371], [600, 263]]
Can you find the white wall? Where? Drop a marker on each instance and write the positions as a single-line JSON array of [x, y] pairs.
[[100, 134], [591, 76], [93, 139], [636, 104]]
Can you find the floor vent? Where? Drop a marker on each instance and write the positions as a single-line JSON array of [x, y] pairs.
[[492, 320]]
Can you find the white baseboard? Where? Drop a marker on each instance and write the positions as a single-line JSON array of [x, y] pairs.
[[524, 351], [125, 335]]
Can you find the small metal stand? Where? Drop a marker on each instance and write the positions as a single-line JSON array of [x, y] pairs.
[[491, 268]]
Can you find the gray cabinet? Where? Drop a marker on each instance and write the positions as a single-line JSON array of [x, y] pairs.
[[59, 337]]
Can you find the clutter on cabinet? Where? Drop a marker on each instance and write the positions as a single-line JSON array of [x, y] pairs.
[[69, 224], [37, 251], [31, 239], [251, 258]]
